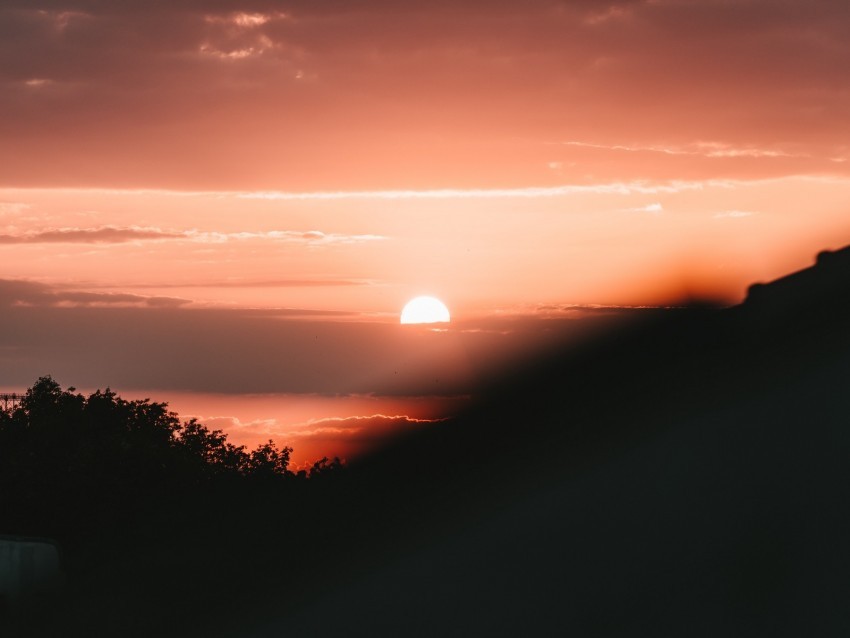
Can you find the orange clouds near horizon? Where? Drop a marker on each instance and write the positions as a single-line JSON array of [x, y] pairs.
[[368, 253]]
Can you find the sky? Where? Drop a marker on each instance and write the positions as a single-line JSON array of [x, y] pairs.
[[225, 204]]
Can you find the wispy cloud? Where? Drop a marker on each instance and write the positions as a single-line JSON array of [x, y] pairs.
[[354, 424], [363, 428], [13, 208], [789, 59], [261, 283], [14, 292], [244, 20], [655, 208], [238, 35], [343, 436], [100, 235], [734, 213], [230, 424], [119, 235], [716, 149], [290, 236], [232, 54], [702, 149], [36, 294], [613, 188]]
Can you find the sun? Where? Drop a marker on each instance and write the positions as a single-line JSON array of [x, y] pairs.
[[425, 310]]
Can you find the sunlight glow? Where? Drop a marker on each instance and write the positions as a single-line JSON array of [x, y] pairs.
[[425, 310]]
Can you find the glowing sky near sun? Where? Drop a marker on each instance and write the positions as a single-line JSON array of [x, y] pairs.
[[323, 163]]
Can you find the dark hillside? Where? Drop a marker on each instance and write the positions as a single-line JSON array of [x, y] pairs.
[[685, 475]]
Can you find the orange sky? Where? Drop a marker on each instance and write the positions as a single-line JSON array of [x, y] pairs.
[[292, 165]]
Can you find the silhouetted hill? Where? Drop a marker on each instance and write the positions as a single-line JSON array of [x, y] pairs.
[[821, 284], [686, 474]]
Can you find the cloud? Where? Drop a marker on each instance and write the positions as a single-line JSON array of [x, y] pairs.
[[359, 427], [133, 341], [345, 437], [119, 235], [233, 54], [311, 237], [13, 208], [702, 149], [101, 235], [244, 20], [239, 35], [262, 283], [231, 424], [16, 293], [201, 93], [618, 188], [655, 208], [690, 158], [610, 11], [734, 213]]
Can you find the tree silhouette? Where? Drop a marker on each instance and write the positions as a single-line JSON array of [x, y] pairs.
[[210, 450], [269, 461], [126, 488], [70, 463], [325, 466]]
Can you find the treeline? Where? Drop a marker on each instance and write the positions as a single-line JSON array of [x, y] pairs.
[[71, 463], [157, 519]]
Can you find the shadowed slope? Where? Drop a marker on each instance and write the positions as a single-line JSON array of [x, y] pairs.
[[685, 476]]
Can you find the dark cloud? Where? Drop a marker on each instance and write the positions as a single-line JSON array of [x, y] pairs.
[[27, 293], [119, 235], [103, 235], [113, 340], [16, 293], [166, 302]]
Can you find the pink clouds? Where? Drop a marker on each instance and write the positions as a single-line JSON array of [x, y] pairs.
[[371, 95]]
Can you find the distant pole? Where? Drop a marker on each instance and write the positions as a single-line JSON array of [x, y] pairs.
[[10, 401]]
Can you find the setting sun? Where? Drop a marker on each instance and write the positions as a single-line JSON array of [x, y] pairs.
[[425, 310]]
